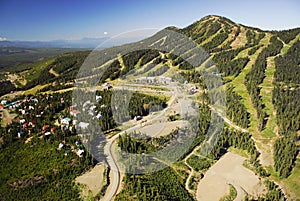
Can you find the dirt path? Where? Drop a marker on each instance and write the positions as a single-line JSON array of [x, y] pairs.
[[229, 170], [191, 173], [228, 121]]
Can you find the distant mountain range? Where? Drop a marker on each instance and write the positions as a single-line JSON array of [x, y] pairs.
[[260, 70], [81, 43], [87, 42]]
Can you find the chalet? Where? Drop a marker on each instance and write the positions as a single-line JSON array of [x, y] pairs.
[[32, 123], [65, 121], [73, 110], [92, 108], [22, 121], [74, 113], [80, 152], [99, 115], [85, 105], [98, 98], [4, 102], [47, 133], [60, 146], [83, 125], [25, 125], [45, 127]]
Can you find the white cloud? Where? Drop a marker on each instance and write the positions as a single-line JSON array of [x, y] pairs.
[[105, 32], [3, 39]]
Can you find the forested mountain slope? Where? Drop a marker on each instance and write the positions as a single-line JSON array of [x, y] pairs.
[[261, 75]]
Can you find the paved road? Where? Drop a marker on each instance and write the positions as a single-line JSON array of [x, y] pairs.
[[115, 178]]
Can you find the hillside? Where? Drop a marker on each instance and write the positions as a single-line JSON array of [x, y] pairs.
[[260, 74]]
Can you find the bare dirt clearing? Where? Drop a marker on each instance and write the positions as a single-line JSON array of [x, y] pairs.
[[53, 72], [163, 128], [229, 170], [7, 117], [93, 180]]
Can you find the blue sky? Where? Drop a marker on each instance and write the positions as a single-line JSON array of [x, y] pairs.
[[74, 19]]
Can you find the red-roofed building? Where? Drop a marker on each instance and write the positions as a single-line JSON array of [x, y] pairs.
[[45, 127], [25, 124]]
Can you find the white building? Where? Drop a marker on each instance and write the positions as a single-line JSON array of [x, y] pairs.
[[3, 102], [65, 121], [83, 125]]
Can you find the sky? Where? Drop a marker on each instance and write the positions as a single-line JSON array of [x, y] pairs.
[[75, 19]]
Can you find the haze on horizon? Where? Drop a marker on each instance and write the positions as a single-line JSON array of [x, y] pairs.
[[71, 20]]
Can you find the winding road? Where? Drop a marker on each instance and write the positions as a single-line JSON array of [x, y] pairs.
[[108, 148]]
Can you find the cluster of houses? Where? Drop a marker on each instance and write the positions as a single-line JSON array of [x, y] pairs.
[[32, 109], [154, 80], [88, 107], [77, 149], [68, 124]]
